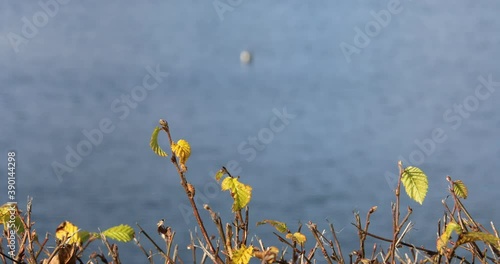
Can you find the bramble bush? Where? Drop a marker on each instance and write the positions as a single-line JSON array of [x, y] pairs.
[[459, 233]]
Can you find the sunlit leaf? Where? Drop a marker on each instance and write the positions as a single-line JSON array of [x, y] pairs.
[[182, 150], [5, 210], [69, 233], [297, 237], [475, 236], [460, 189], [219, 174], [121, 233], [240, 192], [242, 255], [415, 183], [153, 143], [280, 226], [445, 237]]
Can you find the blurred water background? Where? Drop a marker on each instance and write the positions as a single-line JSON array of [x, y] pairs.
[[355, 115]]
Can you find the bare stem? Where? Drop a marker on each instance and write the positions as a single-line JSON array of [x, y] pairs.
[[314, 231], [337, 244], [190, 194], [395, 215]]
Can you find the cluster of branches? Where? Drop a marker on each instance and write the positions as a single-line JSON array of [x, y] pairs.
[[232, 244], [234, 236], [28, 248]]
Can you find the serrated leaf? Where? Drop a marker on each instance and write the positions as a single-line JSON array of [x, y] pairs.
[[240, 192], [121, 233], [219, 174], [182, 150], [460, 189], [415, 183], [153, 143], [280, 226], [475, 236], [242, 255], [297, 237], [445, 237], [69, 233]]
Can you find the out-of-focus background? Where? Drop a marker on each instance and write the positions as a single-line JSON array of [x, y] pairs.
[[363, 85]]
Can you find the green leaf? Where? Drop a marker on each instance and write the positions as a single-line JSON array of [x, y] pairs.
[[18, 224], [445, 237], [240, 192], [460, 189], [121, 233], [280, 226], [475, 236], [153, 143], [219, 174], [415, 183], [84, 236]]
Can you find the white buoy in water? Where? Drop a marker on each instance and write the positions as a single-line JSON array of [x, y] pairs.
[[245, 57]]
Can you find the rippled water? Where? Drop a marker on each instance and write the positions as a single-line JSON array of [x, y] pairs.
[[352, 120]]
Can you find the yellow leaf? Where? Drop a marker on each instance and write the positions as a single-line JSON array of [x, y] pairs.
[[297, 237], [219, 174], [240, 192], [153, 143], [460, 189], [445, 237], [69, 234], [415, 183], [182, 150], [5, 211], [242, 255]]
